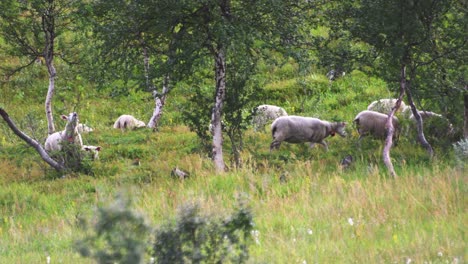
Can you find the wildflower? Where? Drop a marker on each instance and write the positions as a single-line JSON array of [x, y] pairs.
[[351, 221], [408, 261], [309, 231], [256, 234], [48, 259], [151, 260], [440, 254]]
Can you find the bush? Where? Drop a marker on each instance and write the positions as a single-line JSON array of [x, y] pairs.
[[200, 239], [118, 235], [461, 151]]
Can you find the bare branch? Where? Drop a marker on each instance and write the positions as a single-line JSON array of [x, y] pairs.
[[33, 143]]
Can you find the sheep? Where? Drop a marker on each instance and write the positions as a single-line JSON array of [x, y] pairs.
[[436, 126], [93, 150], [83, 128], [265, 113], [70, 134], [298, 129], [128, 121], [373, 123], [384, 106]]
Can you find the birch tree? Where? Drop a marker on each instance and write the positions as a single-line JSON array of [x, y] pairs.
[[406, 35], [30, 30]]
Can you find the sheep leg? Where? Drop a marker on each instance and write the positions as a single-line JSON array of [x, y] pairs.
[[324, 144], [275, 145]]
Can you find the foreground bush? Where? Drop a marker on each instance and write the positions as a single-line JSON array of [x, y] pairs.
[[120, 235]]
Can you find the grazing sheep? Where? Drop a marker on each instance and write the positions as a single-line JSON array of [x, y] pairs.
[[437, 128], [128, 121], [70, 134], [298, 129], [93, 150], [373, 123], [384, 106], [83, 128], [265, 113]]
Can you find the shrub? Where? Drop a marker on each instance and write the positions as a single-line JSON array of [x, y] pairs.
[[200, 239], [461, 151], [118, 235]]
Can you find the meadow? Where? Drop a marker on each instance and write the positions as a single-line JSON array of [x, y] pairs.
[[317, 213]]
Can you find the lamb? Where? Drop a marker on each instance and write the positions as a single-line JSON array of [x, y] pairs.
[[373, 123], [128, 121], [83, 128], [265, 113], [93, 150], [298, 129], [384, 106], [70, 134]]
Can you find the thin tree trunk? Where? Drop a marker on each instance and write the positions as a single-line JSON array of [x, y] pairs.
[[220, 75], [159, 101], [57, 166], [465, 100], [389, 126], [419, 124], [48, 26]]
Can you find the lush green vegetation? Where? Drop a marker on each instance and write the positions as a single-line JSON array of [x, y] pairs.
[[322, 213], [305, 206]]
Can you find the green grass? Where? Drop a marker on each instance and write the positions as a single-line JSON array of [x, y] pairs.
[[420, 216]]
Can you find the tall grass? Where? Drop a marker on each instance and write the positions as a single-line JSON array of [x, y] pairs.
[[317, 212]]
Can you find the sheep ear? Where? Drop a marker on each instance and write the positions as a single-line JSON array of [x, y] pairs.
[[98, 148], [64, 117], [86, 148]]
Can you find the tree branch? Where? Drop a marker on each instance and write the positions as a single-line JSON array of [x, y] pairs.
[[33, 143]]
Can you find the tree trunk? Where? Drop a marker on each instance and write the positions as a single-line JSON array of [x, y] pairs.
[[465, 100], [419, 124], [48, 26], [220, 75], [159, 101], [57, 166], [389, 126]]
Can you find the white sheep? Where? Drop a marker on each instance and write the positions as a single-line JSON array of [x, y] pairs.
[[266, 113], [70, 133], [128, 121], [384, 106], [83, 128], [373, 123], [436, 125], [298, 129], [93, 150]]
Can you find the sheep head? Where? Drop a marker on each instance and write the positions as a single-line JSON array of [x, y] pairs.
[[338, 127], [71, 126]]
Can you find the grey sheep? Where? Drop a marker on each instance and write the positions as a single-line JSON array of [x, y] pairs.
[[373, 123], [266, 113], [128, 122], [298, 129]]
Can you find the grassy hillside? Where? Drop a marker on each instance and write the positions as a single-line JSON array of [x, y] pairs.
[[320, 214]]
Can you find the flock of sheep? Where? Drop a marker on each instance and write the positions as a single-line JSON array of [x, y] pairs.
[[298, 129], [287, 128], [74, 129]]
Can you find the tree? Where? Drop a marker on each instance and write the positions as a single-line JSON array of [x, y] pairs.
[[30, 29], [186, 34], [405, 34]]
